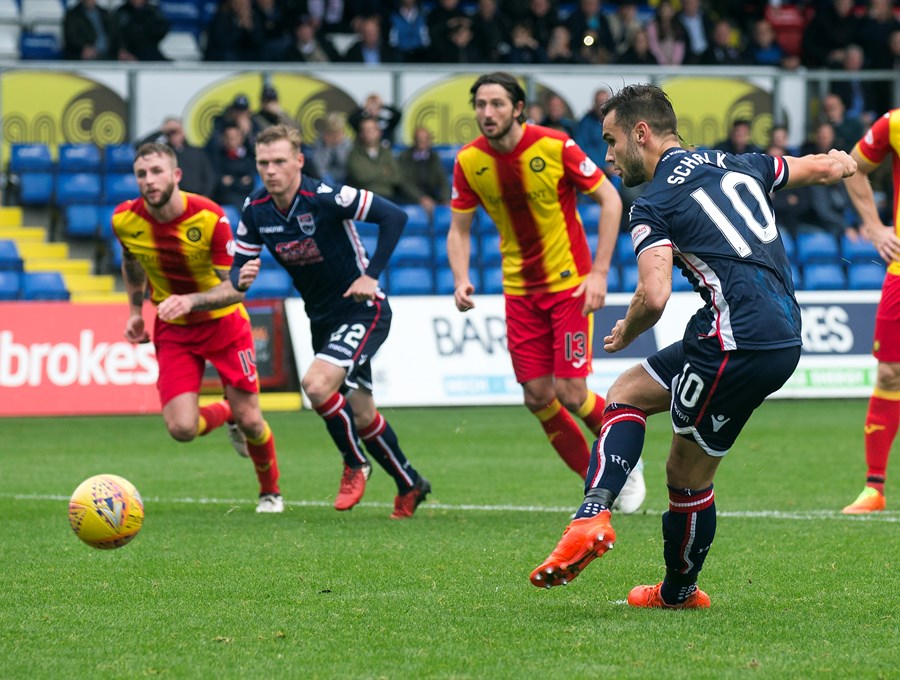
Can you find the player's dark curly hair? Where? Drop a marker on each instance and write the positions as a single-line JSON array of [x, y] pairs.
[[648, 103], [507, 82]]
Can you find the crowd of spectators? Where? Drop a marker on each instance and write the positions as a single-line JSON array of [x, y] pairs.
[[839, 34]]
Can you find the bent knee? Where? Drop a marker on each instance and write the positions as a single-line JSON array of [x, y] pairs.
[[182, 432]]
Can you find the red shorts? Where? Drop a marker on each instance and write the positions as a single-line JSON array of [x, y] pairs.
[[182, 353], [547, 334], [886, 346]]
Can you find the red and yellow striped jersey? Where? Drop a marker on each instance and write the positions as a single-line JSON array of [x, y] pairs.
[[180, 256], [531, 195], [880, 140]]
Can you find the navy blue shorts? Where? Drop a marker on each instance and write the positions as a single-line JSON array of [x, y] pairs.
[[351, 339], [714, 392]]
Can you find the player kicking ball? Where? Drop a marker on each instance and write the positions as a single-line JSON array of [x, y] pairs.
[[710, 213]]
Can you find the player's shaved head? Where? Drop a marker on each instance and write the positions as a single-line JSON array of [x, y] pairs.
[[648, 103]]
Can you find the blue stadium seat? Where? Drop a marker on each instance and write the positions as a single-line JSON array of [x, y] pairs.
[[78, 158], [629, 278], [82, 221], [817, 248], [9, 285], [624, 253], [369, 243], [30, 158], [410, 281], [484, 224], [824, 277], [492, 280], [40, 46], [77, 187], [43, 286], [447, 154], [441, 219], [443, 281], [860, 250], [680, 284], [118, 158], [614, 280], [489, 249], [273, 283], [36, 188], [183, 15], [104, 219], [367, 228], [790, 247], [120, 187], [865, 276], [590, 214], [419, 221], [113, 254], [10, 261], [233, 215], [414, 250]]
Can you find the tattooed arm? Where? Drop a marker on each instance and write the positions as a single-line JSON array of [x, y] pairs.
[[135, 279], [222, 295]]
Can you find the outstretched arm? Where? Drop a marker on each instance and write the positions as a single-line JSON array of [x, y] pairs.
[[819, 168]]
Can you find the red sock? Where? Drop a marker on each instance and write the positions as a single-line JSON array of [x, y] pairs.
[[591, 412], [565, 436], [213, 416], [881, 428], [262, 453]]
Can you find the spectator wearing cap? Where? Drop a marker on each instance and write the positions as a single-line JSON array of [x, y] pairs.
[[271, 113], [142, 27], [308, 46], [386, 116], [196, 170], [235, 33], [237, 113]]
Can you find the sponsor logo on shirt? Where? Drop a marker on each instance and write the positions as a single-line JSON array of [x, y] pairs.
[[639, 233], [270, 229]]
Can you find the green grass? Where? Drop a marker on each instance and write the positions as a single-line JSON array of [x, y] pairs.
[[213, 590]]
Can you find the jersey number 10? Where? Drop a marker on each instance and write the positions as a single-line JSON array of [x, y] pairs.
[[766, 233]]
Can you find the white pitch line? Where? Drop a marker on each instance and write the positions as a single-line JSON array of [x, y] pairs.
[[892, 516]]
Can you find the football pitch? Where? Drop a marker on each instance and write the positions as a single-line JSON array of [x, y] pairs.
[[210, 589]]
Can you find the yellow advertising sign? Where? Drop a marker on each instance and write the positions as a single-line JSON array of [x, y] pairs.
[[707, 107], [56, 108], [305, 99]]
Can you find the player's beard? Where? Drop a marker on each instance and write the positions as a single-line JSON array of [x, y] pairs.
[[631, 164], [500, 133], [164, 195]]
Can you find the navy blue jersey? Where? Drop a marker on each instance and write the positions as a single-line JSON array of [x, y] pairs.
[[714, 210], [316, 241]]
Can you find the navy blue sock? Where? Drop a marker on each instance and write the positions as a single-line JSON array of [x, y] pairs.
[[381, 442], [613, 456], [688, 531], [338, 417]]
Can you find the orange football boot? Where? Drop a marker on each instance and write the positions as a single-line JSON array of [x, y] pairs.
[[649, 596], [870, 500], [583, 541]]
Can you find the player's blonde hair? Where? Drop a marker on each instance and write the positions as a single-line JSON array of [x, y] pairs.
[[276, 133]]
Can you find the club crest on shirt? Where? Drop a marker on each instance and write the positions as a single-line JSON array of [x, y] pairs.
[[306, 223], [193, 234], [537, 164]]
